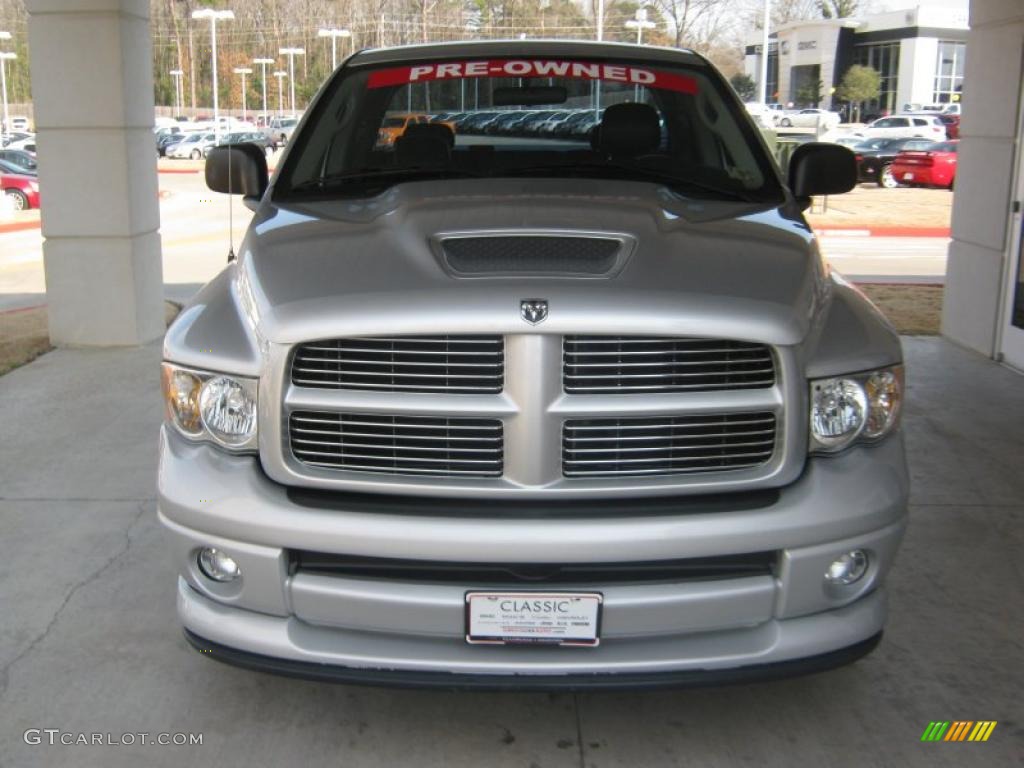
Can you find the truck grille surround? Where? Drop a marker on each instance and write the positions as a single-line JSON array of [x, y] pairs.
[[579, 414]]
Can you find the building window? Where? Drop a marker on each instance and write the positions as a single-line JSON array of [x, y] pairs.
[[885, 59], [949, 72]]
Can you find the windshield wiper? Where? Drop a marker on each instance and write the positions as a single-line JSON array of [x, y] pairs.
[[368, 177], [619, 170]]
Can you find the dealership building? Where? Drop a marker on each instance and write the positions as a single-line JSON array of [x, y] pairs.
[[919, 53]]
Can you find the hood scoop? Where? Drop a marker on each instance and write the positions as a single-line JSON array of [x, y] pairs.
[[518, 254]]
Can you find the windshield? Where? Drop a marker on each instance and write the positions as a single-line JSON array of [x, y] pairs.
[[673, 125]]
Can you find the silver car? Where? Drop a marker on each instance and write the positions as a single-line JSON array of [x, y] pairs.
[[511, 412]]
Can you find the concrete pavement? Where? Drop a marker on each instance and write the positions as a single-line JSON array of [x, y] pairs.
[[89, 641]]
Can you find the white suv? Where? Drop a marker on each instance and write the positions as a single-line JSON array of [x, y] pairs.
[[901, 126]]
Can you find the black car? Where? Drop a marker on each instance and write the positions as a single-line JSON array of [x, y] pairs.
[[875, 156], [6, 167], [248, 137], [24, 161]]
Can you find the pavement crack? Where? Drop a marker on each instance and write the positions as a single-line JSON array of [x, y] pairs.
[[92, 577], [579, 730]]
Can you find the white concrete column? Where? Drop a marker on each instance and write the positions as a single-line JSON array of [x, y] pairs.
[[92, 89], [989, 137]]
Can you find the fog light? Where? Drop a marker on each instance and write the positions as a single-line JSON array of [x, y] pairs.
[[218, 566], [848, 568]]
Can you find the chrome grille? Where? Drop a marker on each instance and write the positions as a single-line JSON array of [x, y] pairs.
[[618, 364], [432, 364], [398, 445], [667, 445]]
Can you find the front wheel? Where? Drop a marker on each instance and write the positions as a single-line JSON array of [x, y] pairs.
[[886, 178], [18, 198], [786, 123], [196, 154]]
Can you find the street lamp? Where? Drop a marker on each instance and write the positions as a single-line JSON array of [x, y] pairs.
[[214, 17], [3, 81], [762, 87], [291, 53], [4, 58], [243, 71], [334, 34], [178, 92], [280, 74], [640, 23], [263, 64]]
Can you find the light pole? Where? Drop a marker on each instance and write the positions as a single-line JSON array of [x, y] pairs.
[[600, 20], [243, 71], [640, 23], [178, 93], [291, 53], [334, 34], [762, 87], [4, 56], [280, 75], [263, 64], [214, 17]]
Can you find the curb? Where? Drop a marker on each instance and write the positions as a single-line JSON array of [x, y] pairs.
[[20, 226], [882, 231]]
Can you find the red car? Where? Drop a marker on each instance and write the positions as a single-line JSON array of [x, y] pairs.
[[931, 167], [23, 191]]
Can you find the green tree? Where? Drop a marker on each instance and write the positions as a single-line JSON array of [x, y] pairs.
[[838, 9], [744, 86], [810, 93], [859, 84]]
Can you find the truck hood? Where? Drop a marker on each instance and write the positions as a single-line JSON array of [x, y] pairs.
[[369, 266]]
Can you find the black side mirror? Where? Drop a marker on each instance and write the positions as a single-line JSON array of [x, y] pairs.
[[818, 168], [238, 169]]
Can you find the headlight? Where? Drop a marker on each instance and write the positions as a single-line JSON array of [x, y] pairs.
[[211, 406], [845, 408]]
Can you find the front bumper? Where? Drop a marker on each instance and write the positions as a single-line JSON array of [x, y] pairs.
[[386, 631]]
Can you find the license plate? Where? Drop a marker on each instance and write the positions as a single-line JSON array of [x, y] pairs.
[[546, 618], [908, 176]]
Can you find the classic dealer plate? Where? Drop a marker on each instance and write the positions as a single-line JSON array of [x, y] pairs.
[[556, 618]]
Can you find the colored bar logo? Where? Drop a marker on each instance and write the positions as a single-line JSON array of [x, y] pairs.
[[958, 730]]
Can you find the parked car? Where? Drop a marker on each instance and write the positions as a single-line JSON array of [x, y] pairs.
[[27, 144], [26, 161], [21, 190], [280, 130], [167, 136], [934, 166], [952, 123], [12, 136], [875, 156], [18, 123], [920, 126], [543, 417], [810, 118], [192, 145], [245, 137]]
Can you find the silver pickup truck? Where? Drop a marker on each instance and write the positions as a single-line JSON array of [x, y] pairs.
[[531, 411]]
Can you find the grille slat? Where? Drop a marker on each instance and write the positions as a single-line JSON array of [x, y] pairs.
[[688, 444], [623, 364], [425, 364], [399, 445]]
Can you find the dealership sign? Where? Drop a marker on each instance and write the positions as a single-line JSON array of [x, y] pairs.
[[451, 70]]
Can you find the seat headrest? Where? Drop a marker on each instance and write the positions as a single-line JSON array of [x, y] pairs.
[[418, 149], [628, 129], [437, 130]]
